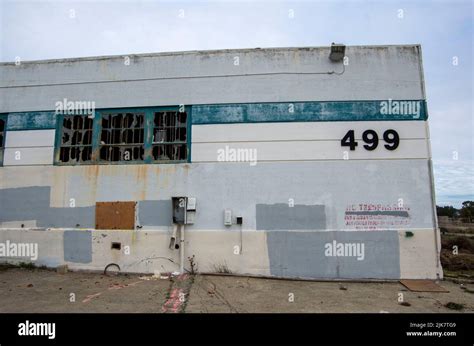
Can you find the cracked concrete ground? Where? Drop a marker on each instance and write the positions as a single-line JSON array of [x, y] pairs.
[[240, 294], [26, 290]]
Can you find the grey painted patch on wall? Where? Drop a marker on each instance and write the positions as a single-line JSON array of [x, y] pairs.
[[155, 213], [33, 203], [78, 246], [302, 254], [281, 216]]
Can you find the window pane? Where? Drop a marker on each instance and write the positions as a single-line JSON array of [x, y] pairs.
[[122, 137], [169, 128], [76, 139]]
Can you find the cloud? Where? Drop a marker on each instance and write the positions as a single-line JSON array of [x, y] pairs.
[[454, 181]]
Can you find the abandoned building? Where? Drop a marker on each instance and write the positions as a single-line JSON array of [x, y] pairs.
[[285, 162]]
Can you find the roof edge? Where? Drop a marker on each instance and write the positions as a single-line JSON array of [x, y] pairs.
[[211, 51]]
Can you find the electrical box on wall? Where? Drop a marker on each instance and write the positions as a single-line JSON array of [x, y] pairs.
[[228, 217], [191, 206], [190, 210], [184, 210], [179, 210]]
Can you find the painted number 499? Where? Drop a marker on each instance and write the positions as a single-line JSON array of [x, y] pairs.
[[371, 140]]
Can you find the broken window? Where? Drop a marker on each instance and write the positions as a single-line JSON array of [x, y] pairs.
[[169, 136], [132, 135], [122, 137], [2, 136], [76, 139]]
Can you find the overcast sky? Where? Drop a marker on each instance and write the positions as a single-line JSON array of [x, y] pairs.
[[35, 30]]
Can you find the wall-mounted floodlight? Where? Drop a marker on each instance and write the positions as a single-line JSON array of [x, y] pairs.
[[338, 51]]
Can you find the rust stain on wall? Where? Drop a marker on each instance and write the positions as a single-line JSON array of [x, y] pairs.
[[92, 171], [92, 174], [142, 180]]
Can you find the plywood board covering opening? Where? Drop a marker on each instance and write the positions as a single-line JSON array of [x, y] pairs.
[[115, 215]]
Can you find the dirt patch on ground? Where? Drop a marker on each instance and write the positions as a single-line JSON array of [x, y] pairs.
[[39, 290]]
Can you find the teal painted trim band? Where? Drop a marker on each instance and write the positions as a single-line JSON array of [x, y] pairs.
[[310, 111], [260, 112], [31, 121], [189, 131]]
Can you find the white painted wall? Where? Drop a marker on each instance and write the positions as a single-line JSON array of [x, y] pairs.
[[300, 131], [28, 156], [150, 254], [31, 147], [306, 141], [418, 255], [311, 151], [170, 78], [239, 186]]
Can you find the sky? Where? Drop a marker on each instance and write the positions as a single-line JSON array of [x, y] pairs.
[[34, 30]]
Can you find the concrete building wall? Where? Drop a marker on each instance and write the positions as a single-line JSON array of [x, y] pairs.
[[192, 78], [30, 147], [304, 191], [297, 141]]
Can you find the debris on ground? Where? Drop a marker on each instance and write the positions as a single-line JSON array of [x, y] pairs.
[[178, 293], [90, 297], [62, 269], [454, 306], [156, 276], [112, 269], [416, 285]]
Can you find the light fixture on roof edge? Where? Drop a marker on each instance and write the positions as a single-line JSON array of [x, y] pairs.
[[338, 51]]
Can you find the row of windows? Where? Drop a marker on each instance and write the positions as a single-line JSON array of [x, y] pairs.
[[121, 136]]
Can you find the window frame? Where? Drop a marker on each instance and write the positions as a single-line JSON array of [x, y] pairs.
[[3, 117], [188, 135], [148, 136], [58, 140], [98, 135]]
